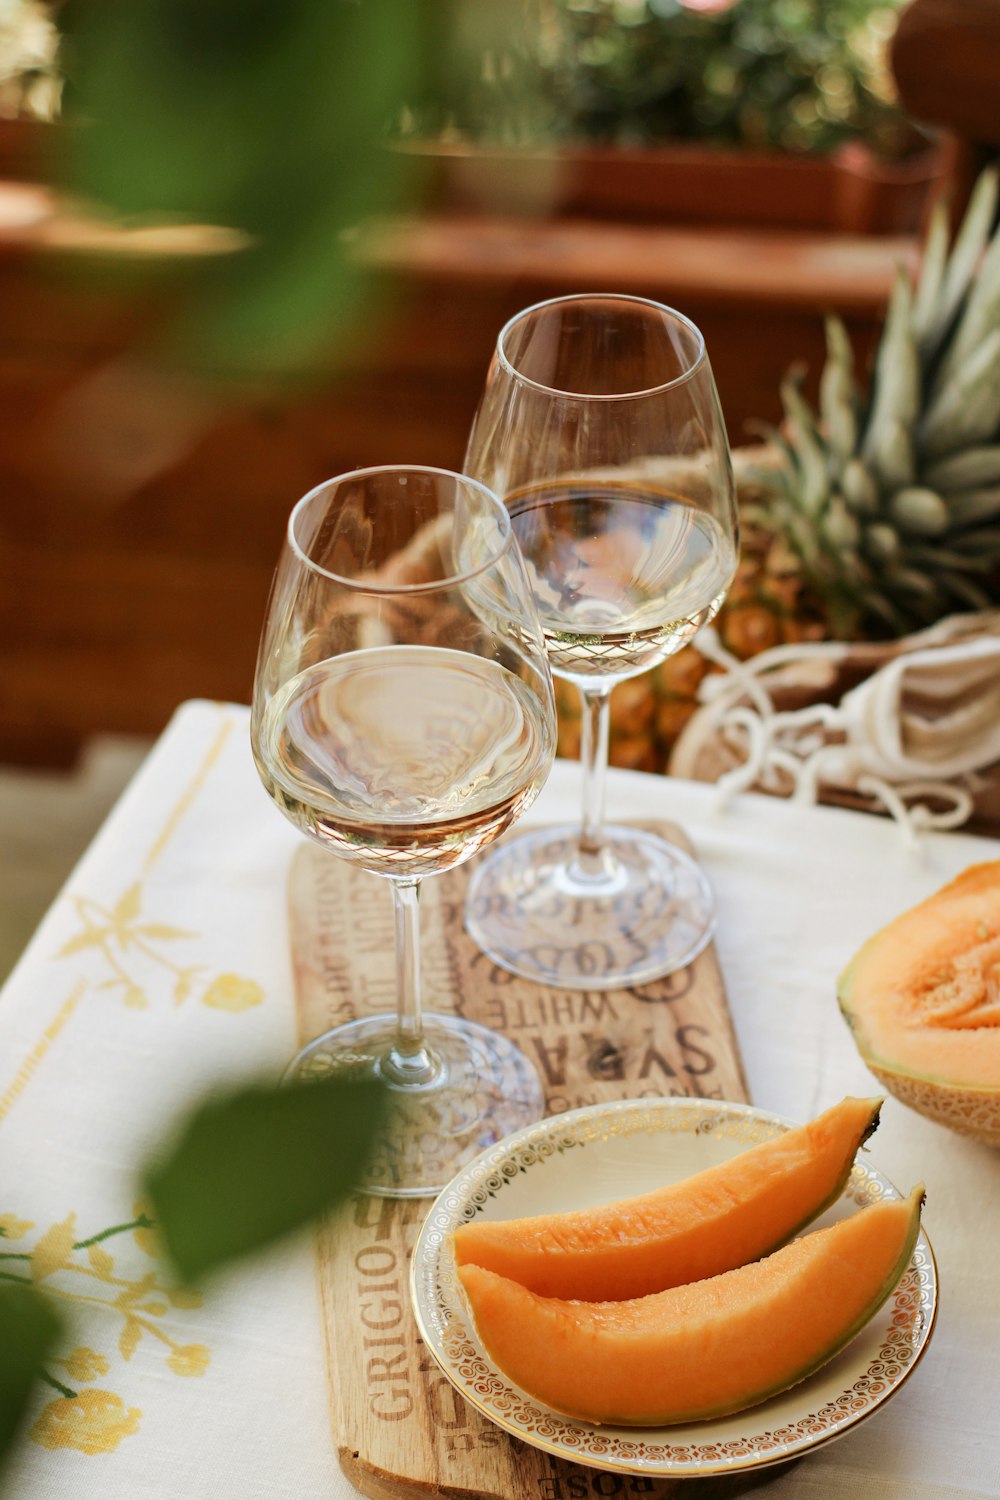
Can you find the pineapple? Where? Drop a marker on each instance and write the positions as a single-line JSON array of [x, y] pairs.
[[890, 508], [870, 518]]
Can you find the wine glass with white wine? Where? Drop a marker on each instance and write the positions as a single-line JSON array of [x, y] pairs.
[[403, 723], [601, 430]]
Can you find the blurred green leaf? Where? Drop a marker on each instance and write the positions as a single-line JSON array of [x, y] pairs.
[[256, 1164], [29, 1328], [267, 119]]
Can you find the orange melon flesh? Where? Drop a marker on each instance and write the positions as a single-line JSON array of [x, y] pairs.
[[685, 1231], [706, 1349], [923, 994], [922, 998]]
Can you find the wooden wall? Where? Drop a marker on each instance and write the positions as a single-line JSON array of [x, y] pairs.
[[140, 519]]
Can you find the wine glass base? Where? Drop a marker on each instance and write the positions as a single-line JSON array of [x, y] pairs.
[[540, 908], [484, 1088]]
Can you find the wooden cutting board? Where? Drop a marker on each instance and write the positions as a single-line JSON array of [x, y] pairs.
[[401, 1429]]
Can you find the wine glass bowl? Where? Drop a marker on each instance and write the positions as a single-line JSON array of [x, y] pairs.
[[398, 723], [624, 572], [600, 428]]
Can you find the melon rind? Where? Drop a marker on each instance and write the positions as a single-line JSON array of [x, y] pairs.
[[971, 1112]]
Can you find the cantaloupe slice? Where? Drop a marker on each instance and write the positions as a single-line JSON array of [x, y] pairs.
[[706, 1349], [922, 998], [703, 1225]]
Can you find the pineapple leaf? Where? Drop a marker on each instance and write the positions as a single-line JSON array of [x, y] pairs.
[[859, 487], [910, 581], [882, 542], [886, 613], [893, 459], [939, 558], [984, 543], [973, 506], [803, 435], [932, 266], [896, 402], [968, 593], [853, 569], [979, 316], [966, 412], [837, 397], [968, 469], [965, 254], [919, 510], [840, 528]]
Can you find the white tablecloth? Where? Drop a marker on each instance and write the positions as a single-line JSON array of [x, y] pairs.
[[104, 1039]]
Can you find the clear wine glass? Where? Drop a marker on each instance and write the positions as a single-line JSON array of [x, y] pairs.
[[600, 428], [403, 717]]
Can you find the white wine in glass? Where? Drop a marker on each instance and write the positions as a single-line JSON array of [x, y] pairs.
[[624, 574], [399, 723], [601, 430]]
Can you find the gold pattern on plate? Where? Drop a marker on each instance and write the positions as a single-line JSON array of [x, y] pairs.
[[906, 1320]]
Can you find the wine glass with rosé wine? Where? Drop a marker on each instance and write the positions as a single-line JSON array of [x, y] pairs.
[[403, 717]]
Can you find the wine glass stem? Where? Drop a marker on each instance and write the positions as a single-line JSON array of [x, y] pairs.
[[595, 731], [409, 1063]]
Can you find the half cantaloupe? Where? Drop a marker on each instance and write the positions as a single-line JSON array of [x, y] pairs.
[[685, 1231], [922, 999], [706, 1349]]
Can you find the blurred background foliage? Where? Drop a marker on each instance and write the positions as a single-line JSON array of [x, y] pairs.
[[797, 75], [273, 120], [792, 75], [267, 119]]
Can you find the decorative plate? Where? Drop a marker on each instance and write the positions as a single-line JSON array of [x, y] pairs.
[[611, 1151]]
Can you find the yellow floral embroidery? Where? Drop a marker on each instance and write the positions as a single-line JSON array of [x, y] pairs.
[[54, 1249], [84, 1364], [95, 1421], [84, 1272], [123, 937], [13, 1228], [192, 1359], [101, 1261], [230, 992]]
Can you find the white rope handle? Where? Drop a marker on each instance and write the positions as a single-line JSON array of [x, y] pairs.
[[811, 745]]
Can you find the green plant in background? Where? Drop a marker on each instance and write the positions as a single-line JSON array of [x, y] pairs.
[[886, 505], [267, 119], [795, 75]]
